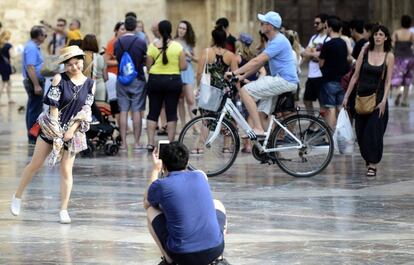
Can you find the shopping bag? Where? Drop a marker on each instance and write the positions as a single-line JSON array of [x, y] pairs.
[[344, 137]]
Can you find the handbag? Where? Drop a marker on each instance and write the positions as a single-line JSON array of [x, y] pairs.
[[366, 104], [209, 97]]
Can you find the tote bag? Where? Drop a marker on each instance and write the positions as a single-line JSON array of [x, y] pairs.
[[209, 97]]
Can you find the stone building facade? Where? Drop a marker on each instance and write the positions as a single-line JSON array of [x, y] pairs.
[[99, 16]]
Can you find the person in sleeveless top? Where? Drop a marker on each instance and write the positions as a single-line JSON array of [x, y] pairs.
[[403, 73], [219, 60], [186, 37], [70, 95], [373, 73]]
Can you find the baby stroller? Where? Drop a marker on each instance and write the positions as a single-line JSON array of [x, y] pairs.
[[102, 131]]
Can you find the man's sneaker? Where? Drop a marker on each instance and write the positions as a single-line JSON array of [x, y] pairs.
[[15, 205], [64, 217], [165, 262]]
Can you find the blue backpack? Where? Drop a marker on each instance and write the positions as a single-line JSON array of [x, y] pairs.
[[127, 72]]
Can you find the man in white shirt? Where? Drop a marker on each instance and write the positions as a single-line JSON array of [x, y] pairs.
[[311, 54]]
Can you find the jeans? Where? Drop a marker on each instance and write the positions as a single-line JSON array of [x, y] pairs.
[[34, 105]]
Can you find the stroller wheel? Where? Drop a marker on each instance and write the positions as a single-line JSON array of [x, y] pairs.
[[111, 149], [118, 140], [88, 152]]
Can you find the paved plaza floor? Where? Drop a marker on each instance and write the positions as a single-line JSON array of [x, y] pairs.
[[337, 217]]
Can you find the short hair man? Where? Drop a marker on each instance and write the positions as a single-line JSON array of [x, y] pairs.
[[357, 32], [184, 220], [33, 81], [282, 67], [231, 40], [131, 97], [311, 53], [334, 64], [58, 40]]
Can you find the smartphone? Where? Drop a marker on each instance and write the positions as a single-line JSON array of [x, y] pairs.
[[161, 146]]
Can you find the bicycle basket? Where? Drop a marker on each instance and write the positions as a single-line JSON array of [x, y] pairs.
[[209, 97]]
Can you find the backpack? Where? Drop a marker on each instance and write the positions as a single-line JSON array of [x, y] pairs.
[[127, 72]]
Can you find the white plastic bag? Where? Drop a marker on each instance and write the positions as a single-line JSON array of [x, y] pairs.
[[344, 135]]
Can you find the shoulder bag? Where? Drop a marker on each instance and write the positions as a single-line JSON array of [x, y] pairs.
[[209, 97], [366, 105]]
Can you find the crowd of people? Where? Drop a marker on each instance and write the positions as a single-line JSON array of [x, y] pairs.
[[137, 66]]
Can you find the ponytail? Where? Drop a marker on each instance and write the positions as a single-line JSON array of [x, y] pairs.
[[165, 38], [165, 28]]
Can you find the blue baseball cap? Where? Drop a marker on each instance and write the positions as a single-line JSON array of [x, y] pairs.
[[272, 18]]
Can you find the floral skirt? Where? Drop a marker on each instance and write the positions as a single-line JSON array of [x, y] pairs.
[[403, 72]]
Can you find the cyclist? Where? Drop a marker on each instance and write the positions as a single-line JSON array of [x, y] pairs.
[[282, 68]]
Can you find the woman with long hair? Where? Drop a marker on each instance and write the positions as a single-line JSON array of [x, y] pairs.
[[62, 127], [165, 60], [373, 72], [5, 63], [186, 37]]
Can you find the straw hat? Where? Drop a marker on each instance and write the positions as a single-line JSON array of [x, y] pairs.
[[69, 52]]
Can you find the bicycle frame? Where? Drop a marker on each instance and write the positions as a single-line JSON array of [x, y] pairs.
[[232, 110]]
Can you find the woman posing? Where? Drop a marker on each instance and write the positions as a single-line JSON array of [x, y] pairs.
[[186, 37], [165, 60], [373, 73], [63, 127]]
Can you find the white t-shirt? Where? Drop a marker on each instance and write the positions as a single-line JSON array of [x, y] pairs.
[[316, 42]]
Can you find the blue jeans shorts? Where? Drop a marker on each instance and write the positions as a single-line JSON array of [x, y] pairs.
[[332, 94]]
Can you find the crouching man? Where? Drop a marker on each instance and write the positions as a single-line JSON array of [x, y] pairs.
[[184, 220]]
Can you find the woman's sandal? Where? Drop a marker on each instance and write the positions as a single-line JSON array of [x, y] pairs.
[[197, 151], [226, 150], [371, 172], [150, 148]]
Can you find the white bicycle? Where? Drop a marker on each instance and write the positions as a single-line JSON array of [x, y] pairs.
[[301, 144]]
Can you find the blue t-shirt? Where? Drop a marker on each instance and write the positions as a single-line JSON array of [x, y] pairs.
[[32, 56], [281, 60], [186, 201]]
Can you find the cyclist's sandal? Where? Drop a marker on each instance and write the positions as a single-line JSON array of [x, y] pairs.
[[371, 172]]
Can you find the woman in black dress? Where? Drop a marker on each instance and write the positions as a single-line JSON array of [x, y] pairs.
[[373, 72], [5, 64], [63, 127]]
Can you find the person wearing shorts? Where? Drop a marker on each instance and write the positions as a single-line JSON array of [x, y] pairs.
[[131, 97], [334, 64], [184, 220], [282, 67]]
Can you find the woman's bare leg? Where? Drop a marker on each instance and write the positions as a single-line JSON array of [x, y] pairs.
[[66, 179], [41, 151]]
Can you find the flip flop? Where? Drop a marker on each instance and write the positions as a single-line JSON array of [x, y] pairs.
[[150, 148], [246, 150]]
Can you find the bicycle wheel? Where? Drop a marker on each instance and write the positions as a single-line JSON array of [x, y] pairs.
[[220, 155], [316, 153]]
